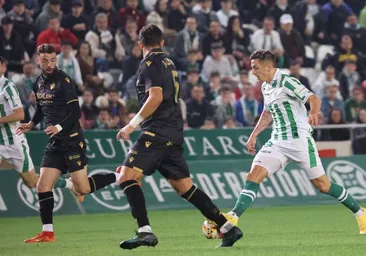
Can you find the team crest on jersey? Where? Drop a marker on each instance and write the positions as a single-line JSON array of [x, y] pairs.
[[132, 159], [147, 144], [67, 79], [79, 163], [52, 86], [81, 144], [148, 63]]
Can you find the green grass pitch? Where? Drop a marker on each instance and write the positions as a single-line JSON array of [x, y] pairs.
[[305, 230]]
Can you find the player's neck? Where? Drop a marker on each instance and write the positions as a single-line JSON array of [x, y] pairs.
[[271, 75], [147, 50]]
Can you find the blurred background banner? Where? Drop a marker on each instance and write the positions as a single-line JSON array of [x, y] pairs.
[[218, 162]]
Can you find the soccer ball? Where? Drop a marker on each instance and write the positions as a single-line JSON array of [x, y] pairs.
[[210, 229]]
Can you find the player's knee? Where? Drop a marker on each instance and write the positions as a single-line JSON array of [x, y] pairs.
[[129, 174], [322, 187], [43, 187], [256, 175]]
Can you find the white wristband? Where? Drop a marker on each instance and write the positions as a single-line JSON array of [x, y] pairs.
[[136, 120], [59, 127]]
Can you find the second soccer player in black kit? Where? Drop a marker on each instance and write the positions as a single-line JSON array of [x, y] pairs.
[[160, 144], [57, 104]]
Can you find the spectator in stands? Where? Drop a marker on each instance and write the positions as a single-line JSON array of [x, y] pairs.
[[334, 15], [354, 104], [295, 71], [359, 135], [89, 111], [198, 109], [214, 87], [131, 63], [193, 56], [55, 35], [357, 33], [51, 10], [130, 12], [253, 11], [31, 7], [129, 89], [106, 6], [130, 36], [67, 62], [25, 83], [105, 120], [11, 46], [243, 80], [229, 124], [208, 124], [216, 62], [330, 101], [291, 40], [187, 39], [159, 16], [88, 69], [105, 44], [267, 38], [2, 12], [349, 78], [226, 12], [224, 105], [177, 15], [321, 134], [247, 108], [280, 8], [345, 53], [24, 26], [336, 117], [30, 109], [117, 109], [76, 21], [193, 79], [214, 36], [304, 14], [204, 15], [325, 78], [237, 41]]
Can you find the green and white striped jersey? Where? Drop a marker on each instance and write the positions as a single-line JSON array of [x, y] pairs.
[[285, 98], [9, 100]]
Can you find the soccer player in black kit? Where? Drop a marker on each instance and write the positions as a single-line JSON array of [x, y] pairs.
[[160, 144], [57, 104]]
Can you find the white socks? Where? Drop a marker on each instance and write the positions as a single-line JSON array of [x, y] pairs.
[[68, 184], [145, 229], [47, 228], [359, 213], [117, 178]]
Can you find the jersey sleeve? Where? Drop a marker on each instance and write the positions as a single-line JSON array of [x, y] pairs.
[[294, 88], [12, 96], [153, 75], [70, 90]]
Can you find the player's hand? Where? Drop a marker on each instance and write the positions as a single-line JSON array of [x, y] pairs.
[[313, 119], [251, 145], [125, 132], [24, 128], [51, 130]]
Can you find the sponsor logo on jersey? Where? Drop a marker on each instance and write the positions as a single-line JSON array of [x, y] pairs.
[[30, 198]]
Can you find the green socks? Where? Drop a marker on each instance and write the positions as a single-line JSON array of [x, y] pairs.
[[62, 183], [246, 197], [342, 196]]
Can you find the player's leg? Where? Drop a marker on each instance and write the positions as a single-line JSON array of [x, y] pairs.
[[45, 184]]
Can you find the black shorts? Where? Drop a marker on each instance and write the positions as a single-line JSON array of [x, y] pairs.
[[151, 152], [65, 155]]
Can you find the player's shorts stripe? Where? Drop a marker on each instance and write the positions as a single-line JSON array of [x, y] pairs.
[[6, 125], [282, 122], [26, 159], [312, 156], [291, 118], [342, 195], [249, 192], [72, 101], [275, 124], [345, 197], [248, 195]]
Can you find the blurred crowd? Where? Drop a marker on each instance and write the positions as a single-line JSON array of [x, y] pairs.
[[210, 42]]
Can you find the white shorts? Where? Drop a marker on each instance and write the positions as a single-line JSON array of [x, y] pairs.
[[276, 154], [18, 156]]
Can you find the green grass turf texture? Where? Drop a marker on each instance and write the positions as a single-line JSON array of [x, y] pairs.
[[300, 230]]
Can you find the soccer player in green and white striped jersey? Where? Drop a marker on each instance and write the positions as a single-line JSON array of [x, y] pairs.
[[291, 140], [14, 148]]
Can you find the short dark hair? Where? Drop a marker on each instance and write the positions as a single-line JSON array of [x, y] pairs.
[[151, 35], [104, 109], [269, 18], [264, 55], [244, 73], [3, 60], [214, 74], [192, 51], [66, 43], [225, 88], [46, 48], [113, 90]]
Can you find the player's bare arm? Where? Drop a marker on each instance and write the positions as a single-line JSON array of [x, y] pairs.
[[151, 105], [263, 122], [315, 104], [17, 115]]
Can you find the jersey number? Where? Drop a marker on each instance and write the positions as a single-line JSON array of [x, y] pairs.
[[176, 85]]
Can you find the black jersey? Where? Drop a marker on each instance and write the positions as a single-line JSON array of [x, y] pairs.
[[53, 93], [157, 70]]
